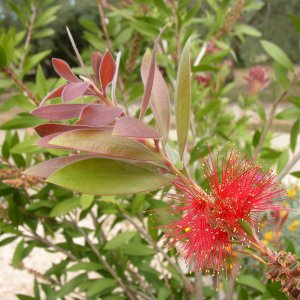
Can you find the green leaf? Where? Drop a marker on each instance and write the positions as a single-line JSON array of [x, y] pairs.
[[294, 135], [18, 255], [33, 60], [137, 202], [104, 143], [288, 114], [183, 98], [21, 121], [99, 176], [64, 207], [3, 58], [277, 54], [268, 153], [282, 160], [163, 293], [46, 32], [86, 201], [88, 266], [27, 146], [136, 249], [248, 30], [252, 282], [71, 285], [41, 83], [119, 240], [99, 286]]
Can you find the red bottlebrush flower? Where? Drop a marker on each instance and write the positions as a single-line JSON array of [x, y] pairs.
[[208, 224], [258, 79]]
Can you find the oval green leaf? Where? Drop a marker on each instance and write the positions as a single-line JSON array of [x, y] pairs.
[[100, 176]]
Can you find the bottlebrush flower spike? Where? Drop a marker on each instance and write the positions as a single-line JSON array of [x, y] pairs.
[[258, 79], [207, 228]]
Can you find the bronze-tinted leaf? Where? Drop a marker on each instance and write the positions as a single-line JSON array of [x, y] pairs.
[[134, 128], [54, 94], [57, 112], [74, 90], [160, 100], [104, 143], [50, 128], [98, 114], [48, 167], [96, 62], [107, 70], [64, 70], [150, 77]]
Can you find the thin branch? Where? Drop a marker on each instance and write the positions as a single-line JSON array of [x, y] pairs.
[[253, 256], [187, 283], [198, 286], [28, 36], [288, 166], [104, 262], [45, 241], [175, 18], [269, 123], [103, 24], [13, 76]]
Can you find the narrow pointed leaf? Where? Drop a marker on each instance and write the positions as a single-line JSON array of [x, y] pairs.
[[114, 82], [134, 128], [97, 114], [74, 90], [48, 167], [160, 100], [277, 54], [78, 54], [150, 77], [107, 70], [50, 128], [96, 62], [54, 94], [57, 112], [183, 98], [104, 143], [99, 176], [64, 70]]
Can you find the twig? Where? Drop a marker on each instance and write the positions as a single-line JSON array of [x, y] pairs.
[[28, 36], [104, 262], [198, 286], [231, 283], [103, 24], [13, 76], [187, 283], [267, 127], [253, 256], [175, 17], [288, 166], [44, 240]]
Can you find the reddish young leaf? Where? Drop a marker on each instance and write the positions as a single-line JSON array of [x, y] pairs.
[[96, 62], [54, 94], [64, 70], [134, 128], [107, 70], [150, 77], [74, 90], [50, 128], [160, 100], [48, 167], [57, 112], [98, 114]]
